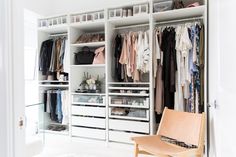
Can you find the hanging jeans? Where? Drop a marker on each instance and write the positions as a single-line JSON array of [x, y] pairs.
[[59, 107]]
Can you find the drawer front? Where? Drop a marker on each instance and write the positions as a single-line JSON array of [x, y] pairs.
[[88, 111], [118, 136], [89, 122], [88, 99], [142, 127], [88, 133]]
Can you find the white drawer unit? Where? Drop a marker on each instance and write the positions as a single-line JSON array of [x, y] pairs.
[[88, 111], [142, 127], [88, 133], [88, 122], [124, 137]]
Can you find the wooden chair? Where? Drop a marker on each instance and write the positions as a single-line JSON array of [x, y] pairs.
[[181, 126]]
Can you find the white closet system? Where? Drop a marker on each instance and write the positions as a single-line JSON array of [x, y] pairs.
[[94, 120]]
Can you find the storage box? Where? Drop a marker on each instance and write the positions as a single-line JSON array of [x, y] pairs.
[[140, 9], [162, 6], [114, 13]]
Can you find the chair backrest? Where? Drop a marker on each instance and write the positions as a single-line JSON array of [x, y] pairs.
[[183, 126]]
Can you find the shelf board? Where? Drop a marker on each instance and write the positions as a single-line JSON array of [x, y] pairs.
[[132, 20], [52, 81], [90, 25], [179, 14], [128, 94], [128, 106], [91, 44], [65, 132], [129, 88], [96, 94], [62, 28], [53, 85], [87, 103], [128, 118], [89, 66], [128, 83]]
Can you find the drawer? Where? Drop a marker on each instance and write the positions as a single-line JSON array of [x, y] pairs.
[[124, 137], [88, 133], [88, 111], [88, 99], [129, 113], [89, 122], [142, 127]]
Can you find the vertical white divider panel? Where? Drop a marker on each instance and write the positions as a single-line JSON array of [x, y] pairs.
[[69, 51], [107, 51], [206, 72], [151, 79]]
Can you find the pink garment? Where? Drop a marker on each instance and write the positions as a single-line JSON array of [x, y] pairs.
[[124, 53], [193, 5]]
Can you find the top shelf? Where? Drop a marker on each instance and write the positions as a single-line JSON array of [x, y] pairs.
[[54, 29], [90, 25], [132, 20], [179, 14]]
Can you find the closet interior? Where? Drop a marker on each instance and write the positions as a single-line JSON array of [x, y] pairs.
[[108, 74]]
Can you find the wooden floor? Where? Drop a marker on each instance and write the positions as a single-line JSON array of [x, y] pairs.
[[62, 146]]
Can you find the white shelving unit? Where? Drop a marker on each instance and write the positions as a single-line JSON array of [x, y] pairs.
[[94, 119]]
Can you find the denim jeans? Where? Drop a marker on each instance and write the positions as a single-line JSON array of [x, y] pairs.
[[59, 107]]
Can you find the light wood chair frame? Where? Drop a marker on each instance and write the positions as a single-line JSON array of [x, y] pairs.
[[195, 152]]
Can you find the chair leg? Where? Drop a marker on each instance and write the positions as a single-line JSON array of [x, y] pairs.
[[136, 150]]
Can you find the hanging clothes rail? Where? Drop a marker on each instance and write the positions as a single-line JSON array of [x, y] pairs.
[[179, 21], [132, 26], [58, 34]]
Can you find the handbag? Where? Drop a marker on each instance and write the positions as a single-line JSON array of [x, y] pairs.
[[99, 57], [84, 57], [178, 4]]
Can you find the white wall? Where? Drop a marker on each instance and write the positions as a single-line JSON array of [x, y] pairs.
[[3, 81], [54, 7]]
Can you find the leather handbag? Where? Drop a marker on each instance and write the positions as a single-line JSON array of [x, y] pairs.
[[178, 4], [84, 57], [99, 57]]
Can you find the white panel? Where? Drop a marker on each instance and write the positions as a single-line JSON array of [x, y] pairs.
[[129, 125], [89, 111], [89, 133], [88, 121], [124, 137]]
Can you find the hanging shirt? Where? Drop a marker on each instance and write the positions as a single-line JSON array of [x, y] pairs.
[[179, 99]]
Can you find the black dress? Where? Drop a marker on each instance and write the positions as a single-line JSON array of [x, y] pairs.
[[169, 66], [118, 66]]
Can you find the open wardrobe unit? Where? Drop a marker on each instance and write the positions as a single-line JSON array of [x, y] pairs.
[[108, 74]]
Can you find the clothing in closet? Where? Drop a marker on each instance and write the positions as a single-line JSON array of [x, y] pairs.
[[157, 73], [132, 56], [54, 57], [45, 56], [183, 66], [169, 66], [118, 66], [56, 103]]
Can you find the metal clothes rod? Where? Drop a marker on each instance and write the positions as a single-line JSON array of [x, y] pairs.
[[132, 26], [179, 21], [58, 34]]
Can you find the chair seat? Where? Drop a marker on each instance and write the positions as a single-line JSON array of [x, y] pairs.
[[154, 145]]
